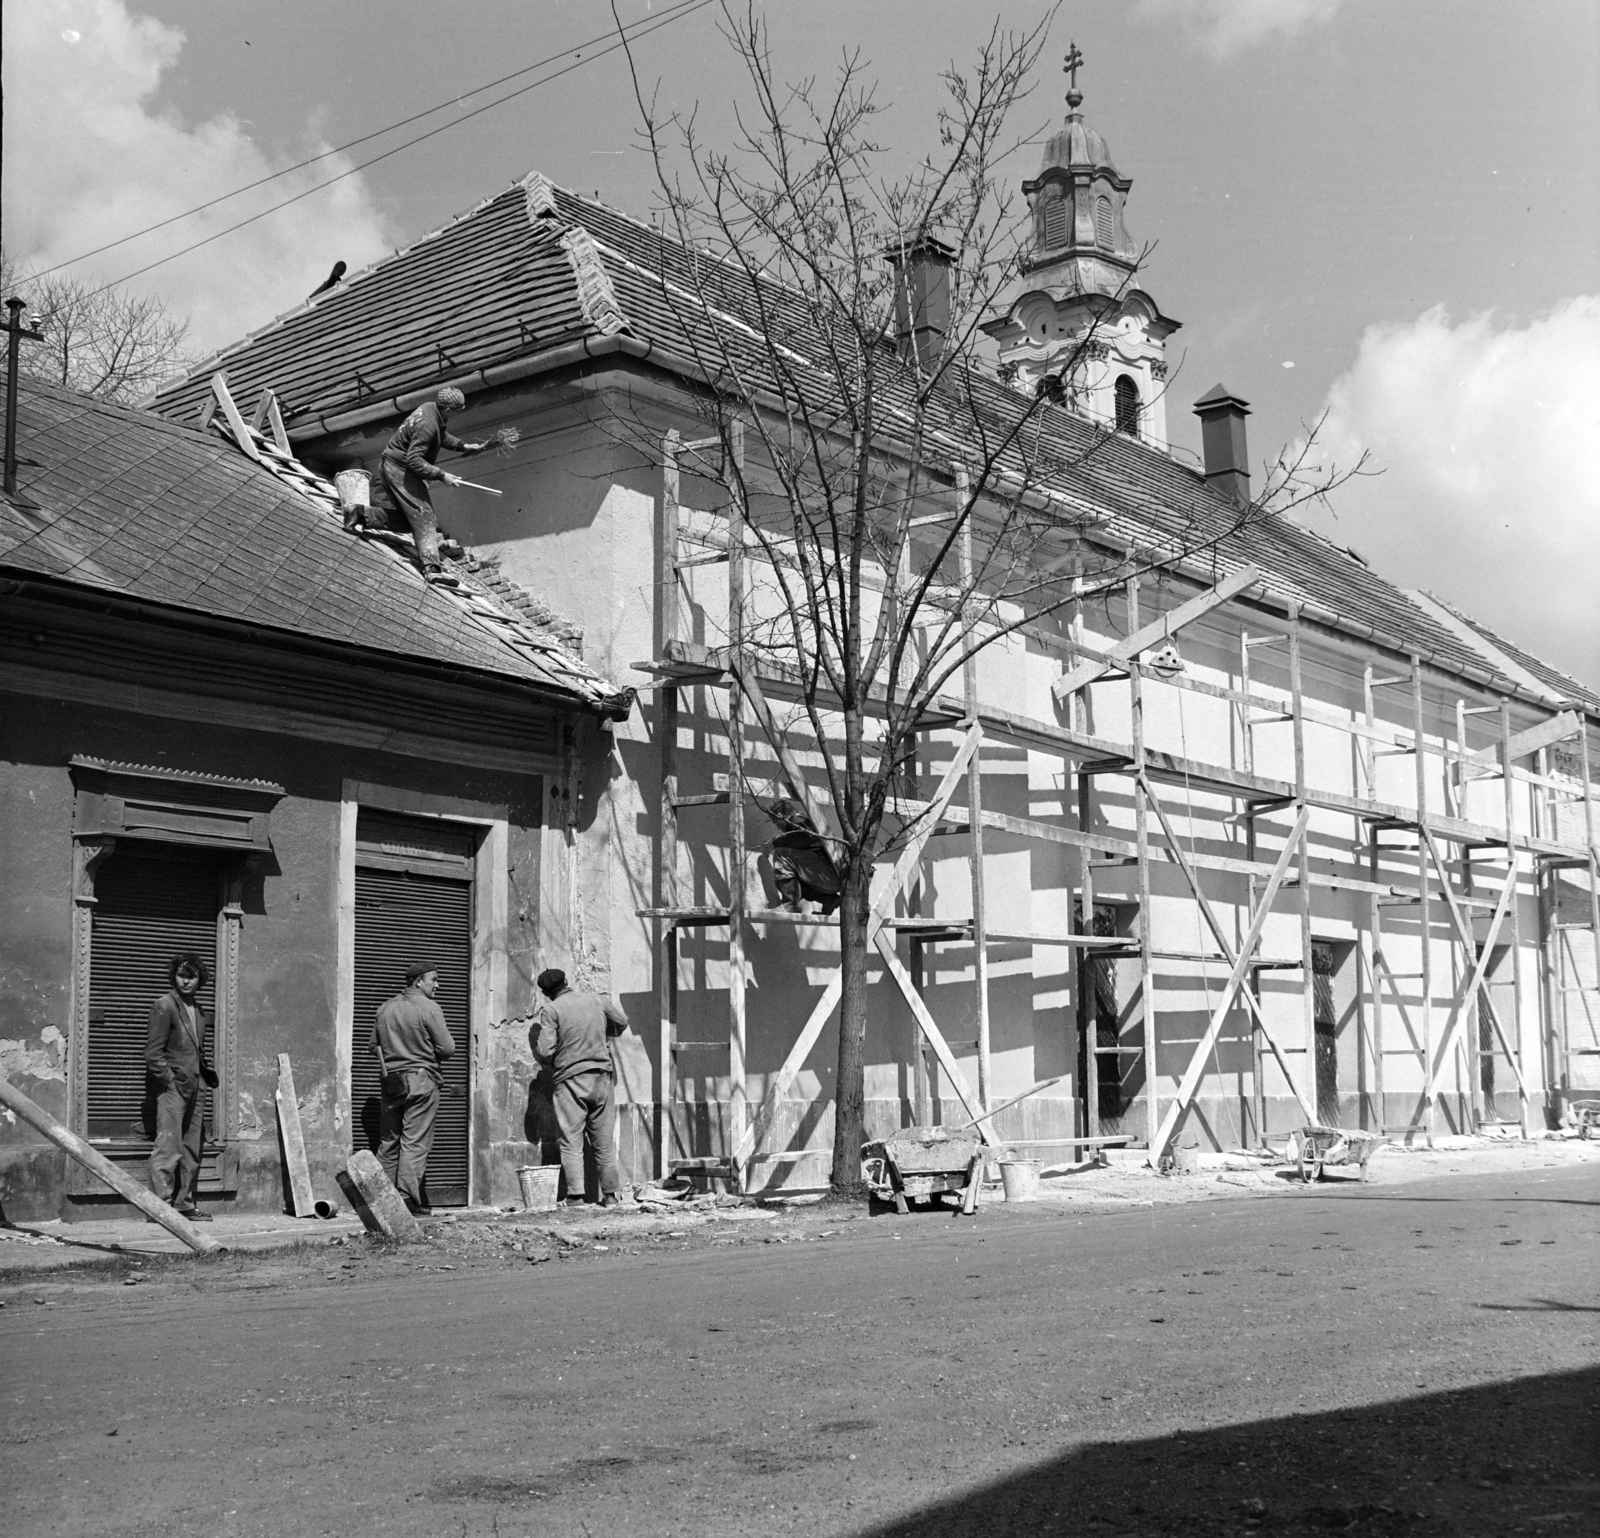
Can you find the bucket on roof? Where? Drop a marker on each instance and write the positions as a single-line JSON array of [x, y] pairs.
[[355, 496]]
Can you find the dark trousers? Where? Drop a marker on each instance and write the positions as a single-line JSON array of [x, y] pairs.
[[585, 1107], [175, 1159], [410, 1102], [411, 496]]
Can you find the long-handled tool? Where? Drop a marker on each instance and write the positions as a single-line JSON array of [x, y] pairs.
[[1006, 1105], [474, 486]]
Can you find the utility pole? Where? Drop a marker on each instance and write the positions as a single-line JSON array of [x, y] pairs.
[[15, 332]]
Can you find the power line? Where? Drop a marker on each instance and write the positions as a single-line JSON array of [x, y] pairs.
[[643, 29]]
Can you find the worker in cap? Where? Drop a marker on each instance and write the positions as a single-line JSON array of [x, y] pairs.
[[408, 466], [802, 865], [410, 1040], [572, 1041]]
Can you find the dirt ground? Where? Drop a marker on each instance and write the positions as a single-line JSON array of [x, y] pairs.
[[1225, 1352]]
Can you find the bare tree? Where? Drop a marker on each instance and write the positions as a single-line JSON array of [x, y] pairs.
[[104, 342], [905, 508]]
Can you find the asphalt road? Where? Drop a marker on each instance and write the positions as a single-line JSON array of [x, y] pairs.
[[1418, 1360]]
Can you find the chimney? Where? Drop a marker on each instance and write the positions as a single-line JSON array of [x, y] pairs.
[[921, 296], [1222, 435]]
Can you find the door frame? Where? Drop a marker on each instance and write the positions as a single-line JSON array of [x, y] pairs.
[[490, 960]]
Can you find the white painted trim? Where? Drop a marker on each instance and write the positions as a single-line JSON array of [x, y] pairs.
[[491, 901], [345, 966]]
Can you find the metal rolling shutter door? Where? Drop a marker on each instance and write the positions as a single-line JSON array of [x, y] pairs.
[[146, 911], [401, 916]]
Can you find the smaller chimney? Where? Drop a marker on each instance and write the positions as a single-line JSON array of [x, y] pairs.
[[1222, 435], [921, 296]]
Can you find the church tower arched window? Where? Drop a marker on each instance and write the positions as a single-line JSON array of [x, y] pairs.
[[1126, 394], [1052, 219], [1105, 224]]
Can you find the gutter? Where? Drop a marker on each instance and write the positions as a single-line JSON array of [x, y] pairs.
[[618, 345]]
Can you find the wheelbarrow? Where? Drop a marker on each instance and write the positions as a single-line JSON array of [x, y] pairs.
[[1313, 1149], [1585, 1116], [923, 1164]]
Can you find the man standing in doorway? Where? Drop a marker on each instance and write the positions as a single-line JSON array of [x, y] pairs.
[[175, 1054], [410, 1040], [572, 1043], [408, 466]]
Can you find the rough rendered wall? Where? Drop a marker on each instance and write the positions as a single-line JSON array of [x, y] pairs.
[[289, 974]]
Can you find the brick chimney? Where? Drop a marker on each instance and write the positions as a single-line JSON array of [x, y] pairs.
[[1222, 435], [921, 296]]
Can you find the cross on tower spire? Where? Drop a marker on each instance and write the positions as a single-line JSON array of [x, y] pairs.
[[1073, 64]]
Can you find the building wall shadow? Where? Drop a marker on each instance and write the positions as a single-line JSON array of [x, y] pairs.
[[1481, 1460]]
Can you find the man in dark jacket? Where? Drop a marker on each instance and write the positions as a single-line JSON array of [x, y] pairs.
[[572, 1042], [410, 1040], [802, 866], [408, 465], [175, 1055]]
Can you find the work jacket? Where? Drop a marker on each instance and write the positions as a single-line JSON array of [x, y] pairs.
[[572, 1034], [175, 1046], [417, 442], [410, 1032]]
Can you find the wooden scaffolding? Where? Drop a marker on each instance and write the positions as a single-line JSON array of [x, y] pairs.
[[1428, 866]]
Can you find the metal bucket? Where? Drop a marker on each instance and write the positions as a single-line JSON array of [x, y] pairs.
[[538, 1182], [1020, 1177]]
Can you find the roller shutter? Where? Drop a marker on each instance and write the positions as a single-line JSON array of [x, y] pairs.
[[414, 903], [147, 909]]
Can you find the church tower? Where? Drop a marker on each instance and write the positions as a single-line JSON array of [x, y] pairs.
[[1075, 313]]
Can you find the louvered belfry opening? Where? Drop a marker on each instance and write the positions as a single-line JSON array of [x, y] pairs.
[[150, 904], [414, 903]]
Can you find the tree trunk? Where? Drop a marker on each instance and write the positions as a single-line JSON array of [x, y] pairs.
[[849, 1109]]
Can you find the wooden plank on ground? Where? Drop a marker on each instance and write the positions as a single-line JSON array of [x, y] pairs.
[[294, 1142]]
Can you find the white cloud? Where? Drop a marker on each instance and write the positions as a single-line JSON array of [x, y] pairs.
[[88, 159], [1490, 443], [1226, 27]]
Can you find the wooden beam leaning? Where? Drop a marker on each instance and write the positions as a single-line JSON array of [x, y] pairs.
[[1458, 1006], [904, 869], [1464, 932], [1218, 934], [738, 1095], [1130, 647], [884, 940], [1557, 729], [102, 1168], [294, 1142], [757, 700], [1195, 1072]]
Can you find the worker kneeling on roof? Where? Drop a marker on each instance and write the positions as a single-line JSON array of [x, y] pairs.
[[408, 466]]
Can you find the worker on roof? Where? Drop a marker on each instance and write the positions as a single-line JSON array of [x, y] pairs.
[[408, 466]]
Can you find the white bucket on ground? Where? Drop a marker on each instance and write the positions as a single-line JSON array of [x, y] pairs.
[[1020, 1177], [354, 488], [538, 1182]]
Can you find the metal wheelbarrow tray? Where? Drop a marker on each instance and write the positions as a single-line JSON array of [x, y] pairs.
[[919, 1164], [1316, 1148]]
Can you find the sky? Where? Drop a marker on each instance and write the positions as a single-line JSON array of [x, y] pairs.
[[1378, 215]]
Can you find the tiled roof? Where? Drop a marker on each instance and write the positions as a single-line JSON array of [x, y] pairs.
[[537, 267], [121, 500]]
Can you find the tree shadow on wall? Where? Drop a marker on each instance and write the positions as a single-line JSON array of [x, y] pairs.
[[1479, 1460]]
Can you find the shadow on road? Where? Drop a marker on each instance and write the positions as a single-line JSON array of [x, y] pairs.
[[1543, 1306], [1474, 1460]]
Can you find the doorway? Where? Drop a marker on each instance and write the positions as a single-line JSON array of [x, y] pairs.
[[414, 904]]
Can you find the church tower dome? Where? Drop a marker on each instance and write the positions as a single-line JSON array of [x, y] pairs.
[[1075, 313]]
